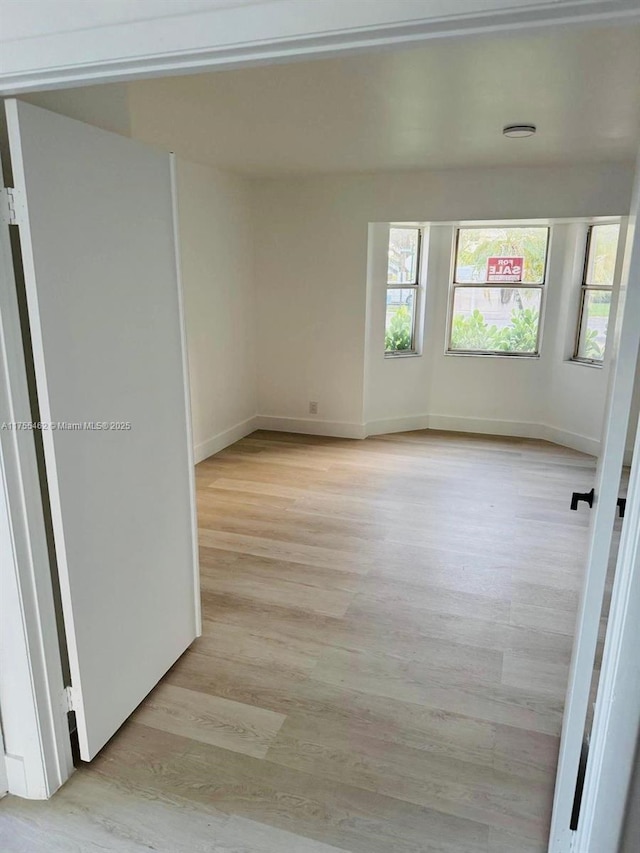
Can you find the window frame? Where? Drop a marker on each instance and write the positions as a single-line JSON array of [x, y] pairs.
[[415, 286], [585, 287], [454, 285]]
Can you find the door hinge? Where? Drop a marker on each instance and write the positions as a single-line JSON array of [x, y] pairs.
[[587, 497], [12, 207], [68, 702]]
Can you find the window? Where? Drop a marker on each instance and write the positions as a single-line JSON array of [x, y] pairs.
[[596, 290], [402, 290], [497, 289]]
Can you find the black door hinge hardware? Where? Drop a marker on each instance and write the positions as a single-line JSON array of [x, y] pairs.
[[587, 497]]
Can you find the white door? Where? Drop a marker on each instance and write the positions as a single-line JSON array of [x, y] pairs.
[[95, 213], [626, 341]]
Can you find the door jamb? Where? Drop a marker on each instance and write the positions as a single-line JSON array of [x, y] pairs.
[[617, 710], [41, 728], [627, 337]]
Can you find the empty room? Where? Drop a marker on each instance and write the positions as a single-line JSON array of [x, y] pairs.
[[319, 510]]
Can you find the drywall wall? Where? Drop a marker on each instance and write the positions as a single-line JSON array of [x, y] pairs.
[[310, 270], [313, 333], [312, 245], [105, 106], [216, 249], [490, 394], [547, 397]]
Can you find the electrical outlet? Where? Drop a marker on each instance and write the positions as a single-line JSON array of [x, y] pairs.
[[313, 407]]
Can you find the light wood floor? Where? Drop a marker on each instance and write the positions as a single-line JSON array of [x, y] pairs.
[[387, 634]]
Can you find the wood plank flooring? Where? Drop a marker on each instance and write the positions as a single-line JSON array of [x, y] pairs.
[[387, 635]]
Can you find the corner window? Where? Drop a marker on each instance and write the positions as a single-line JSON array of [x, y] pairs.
[[497, 290], [402, 290], [596, 292]]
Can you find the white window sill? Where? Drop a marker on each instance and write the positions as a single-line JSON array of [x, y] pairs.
[[584, 363], [392, 355], [509, 355]]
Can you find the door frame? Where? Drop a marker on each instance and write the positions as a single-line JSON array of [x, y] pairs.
[[626, 339], [17, 453], [120, 47], [32, 690], [617, 712], [616, 723]]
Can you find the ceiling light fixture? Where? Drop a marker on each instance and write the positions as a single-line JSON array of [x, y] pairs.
[[519, 131]]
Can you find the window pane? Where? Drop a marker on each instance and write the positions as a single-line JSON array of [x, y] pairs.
[[595, 319], [603, 246], [399, 326], [403, 256], [496, 319], [501, 255]]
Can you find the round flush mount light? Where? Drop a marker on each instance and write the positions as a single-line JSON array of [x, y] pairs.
[[519, 131]]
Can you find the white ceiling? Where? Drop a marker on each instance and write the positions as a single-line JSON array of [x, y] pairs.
[[439, 106]]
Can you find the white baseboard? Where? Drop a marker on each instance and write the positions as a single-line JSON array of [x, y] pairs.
[[487, 426], [17, 778], [406, 424], [518, 429], [311, 426], [570, 439], [346, 429], [223, 439]]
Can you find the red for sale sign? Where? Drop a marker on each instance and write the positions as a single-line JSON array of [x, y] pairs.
[[505, 269]]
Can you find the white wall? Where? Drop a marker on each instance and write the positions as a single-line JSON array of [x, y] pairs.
[[311, 253], [490, 394], [307, 337], [575, 393], [549, 396], [105, 106], [310, 268], [216, 247]]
